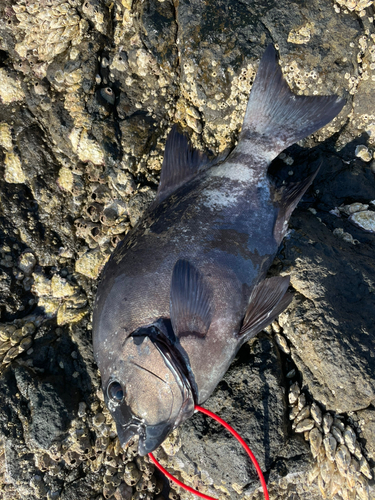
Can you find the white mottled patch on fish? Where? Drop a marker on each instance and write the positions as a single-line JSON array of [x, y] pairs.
[[235, 172], [216, 198]]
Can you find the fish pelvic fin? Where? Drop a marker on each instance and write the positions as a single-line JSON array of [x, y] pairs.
[[268, 299], [180, 164], [277, 118]]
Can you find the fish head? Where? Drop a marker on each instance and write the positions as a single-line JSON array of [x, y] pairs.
[[148, 393]]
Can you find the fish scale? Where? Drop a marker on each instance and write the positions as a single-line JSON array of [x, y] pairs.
[[187, 287]]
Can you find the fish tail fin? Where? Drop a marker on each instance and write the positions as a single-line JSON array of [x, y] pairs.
[[275, 117]]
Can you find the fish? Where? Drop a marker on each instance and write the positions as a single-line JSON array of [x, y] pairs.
[[187, 287]]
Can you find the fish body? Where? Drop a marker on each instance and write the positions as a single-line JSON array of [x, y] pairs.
[[186, 288]]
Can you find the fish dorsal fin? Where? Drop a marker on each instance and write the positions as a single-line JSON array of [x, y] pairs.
[[181, 162], [190, 301], [275, 117], [268, 299], [287, 197]]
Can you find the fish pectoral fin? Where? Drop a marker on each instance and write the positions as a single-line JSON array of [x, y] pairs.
[[287, 197], [190, 301], [268, 299], [181, 162]]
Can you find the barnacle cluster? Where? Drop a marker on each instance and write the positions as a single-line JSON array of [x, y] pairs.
[[49, 27], [59, 298], [355, 5], [361, 215], [15, 338], [302, 34], [105, 217], [194, 108], [92, 445], [341, 470], [361, 118]]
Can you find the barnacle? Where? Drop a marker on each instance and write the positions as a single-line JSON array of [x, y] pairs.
[[13, 169], [5, 136], [86, 148], [365, 220], [301, 35], [49, 27], [10, 88], [91, 263]]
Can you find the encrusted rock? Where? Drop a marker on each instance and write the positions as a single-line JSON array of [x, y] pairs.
[[6, 136], [66, 315], [10, 88], [60, 288]]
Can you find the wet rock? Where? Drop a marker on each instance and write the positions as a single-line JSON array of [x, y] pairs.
[[326, 348]]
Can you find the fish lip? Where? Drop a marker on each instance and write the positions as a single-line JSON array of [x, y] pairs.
[[152, 437]]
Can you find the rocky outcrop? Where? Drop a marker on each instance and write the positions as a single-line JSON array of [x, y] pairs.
[[88, 93]]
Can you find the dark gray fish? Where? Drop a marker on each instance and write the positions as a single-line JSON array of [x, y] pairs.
[[187, 287]]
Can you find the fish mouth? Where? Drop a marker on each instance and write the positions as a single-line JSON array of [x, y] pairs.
[[150, 436]]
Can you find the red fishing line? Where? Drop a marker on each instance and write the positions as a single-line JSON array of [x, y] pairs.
[[241, 441]]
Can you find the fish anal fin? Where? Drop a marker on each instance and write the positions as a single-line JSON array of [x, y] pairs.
[[287, 197], [276, 117], [268, 299], [181, 162], [190, 301]]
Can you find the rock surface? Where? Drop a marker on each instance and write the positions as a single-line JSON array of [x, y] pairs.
[[88, 92]]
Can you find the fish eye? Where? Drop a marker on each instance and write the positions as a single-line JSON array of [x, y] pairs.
[[115, 391]]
